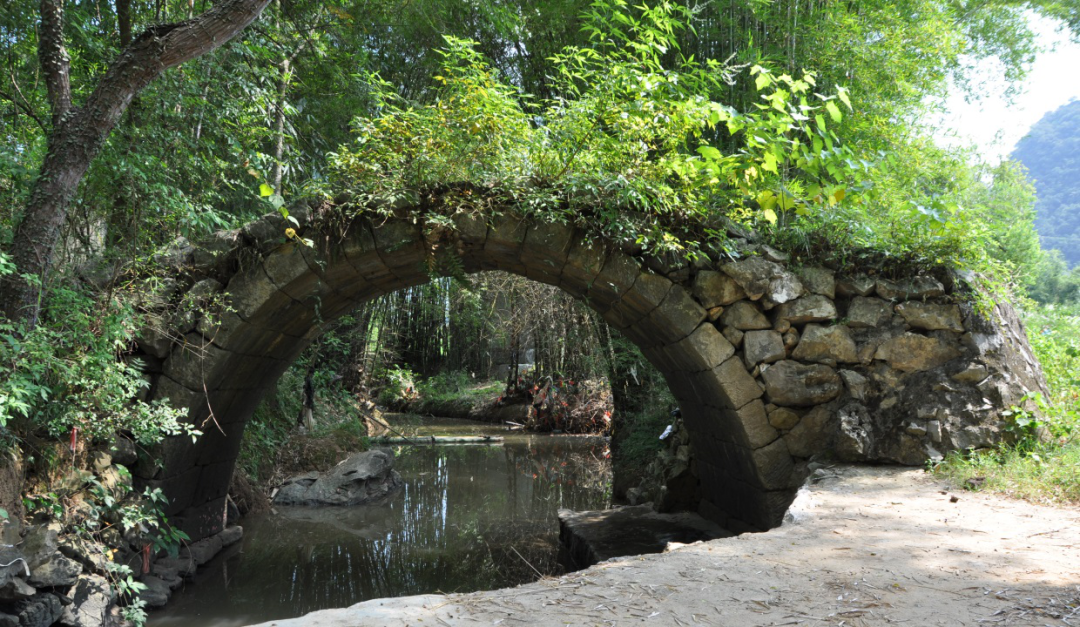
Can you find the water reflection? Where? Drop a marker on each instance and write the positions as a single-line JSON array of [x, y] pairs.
[[469, 518]]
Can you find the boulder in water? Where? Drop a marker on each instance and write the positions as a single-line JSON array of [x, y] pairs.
[[363, 478]]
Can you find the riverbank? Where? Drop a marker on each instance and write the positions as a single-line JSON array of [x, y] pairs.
[[867, 546]]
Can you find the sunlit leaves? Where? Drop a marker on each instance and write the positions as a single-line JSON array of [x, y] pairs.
[[834, 112]]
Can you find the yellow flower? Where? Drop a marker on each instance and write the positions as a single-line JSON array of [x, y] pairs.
[[290, 232]]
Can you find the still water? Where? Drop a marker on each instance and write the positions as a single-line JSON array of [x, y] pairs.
[[469, 518]]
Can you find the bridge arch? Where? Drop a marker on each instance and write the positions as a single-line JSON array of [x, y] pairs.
[[282, 295]]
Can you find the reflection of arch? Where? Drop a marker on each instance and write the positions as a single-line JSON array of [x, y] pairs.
[[284, 299]]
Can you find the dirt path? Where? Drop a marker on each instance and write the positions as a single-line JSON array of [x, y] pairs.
[[867, 546]]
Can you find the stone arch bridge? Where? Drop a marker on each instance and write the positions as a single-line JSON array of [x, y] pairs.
[[771, 365]]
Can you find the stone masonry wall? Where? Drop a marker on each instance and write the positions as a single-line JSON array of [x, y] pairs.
[[855, 368], [863, 369]]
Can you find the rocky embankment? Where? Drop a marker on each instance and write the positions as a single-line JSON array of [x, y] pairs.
[[89, 530]]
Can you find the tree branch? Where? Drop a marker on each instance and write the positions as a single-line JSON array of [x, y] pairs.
[[161, 47], [53, 56], [24, 105], [78, 134]]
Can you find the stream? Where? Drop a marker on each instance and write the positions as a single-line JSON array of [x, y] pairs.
[[470, 517]]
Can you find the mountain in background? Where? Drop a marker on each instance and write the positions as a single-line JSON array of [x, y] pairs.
[[1051, 152]]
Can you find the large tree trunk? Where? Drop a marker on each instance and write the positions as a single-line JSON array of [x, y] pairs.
[[79, 133]]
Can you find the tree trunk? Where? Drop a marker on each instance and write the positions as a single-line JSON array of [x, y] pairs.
[[79, 133]]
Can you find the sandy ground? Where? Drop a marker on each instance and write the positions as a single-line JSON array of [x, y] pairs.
[[866, 546]]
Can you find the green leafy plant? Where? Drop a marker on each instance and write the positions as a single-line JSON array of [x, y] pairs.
[[637, 147], [1024, 424]]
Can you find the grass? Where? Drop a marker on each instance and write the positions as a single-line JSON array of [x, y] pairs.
[[1048, 474]]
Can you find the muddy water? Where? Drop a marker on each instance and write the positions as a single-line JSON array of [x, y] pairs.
[[469, 518]]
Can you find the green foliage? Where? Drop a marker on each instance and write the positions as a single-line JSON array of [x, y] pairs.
[[447, 384], [271, 424], [1046, 473], [625, 149], [643, 428], [270, 436], [1024, 424], [67, 373], [1053, 282], [400, 384], [1054, 334]]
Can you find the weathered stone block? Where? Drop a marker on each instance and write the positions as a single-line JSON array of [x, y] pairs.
[[774, 465], [210, 253], [648, 291], [791, 339], [40, 610], [357, 241], [758, 277], [783, 288], [676, 318], [973, 373], [931, 317], [287, 267], [471, 231], [716, 289], [737, 384], [734, 336], [783, 418], [744, 316], [202, 551], [194, 363], [178, 396], [231, 535], [910, 289], [818, 280], [857, 385], [618, 276], [814, 434], [333, 268], [914, 353], [859, 285], [91, 599], [868, 312], [755, 424], [395, 236], [583, 264], [156, 593], [55, 571], [789, 383], [544, 252], [854, 434], [704, 349], [832, 343], [812, 308], [371, 270], [252, 291], [504, 239], [762, 347], [752, 275]]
